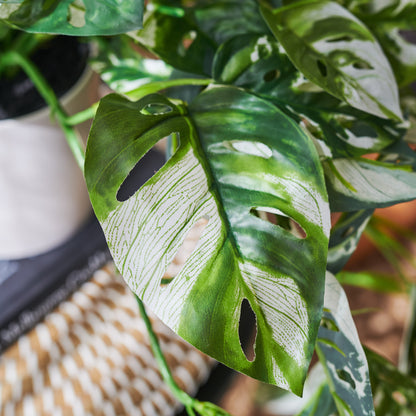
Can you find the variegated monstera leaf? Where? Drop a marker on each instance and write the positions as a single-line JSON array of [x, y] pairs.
[[335, 50], [240, 161], [73, 17]]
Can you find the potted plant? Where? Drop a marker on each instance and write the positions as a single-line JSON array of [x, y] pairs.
[[279, 114], [45, 198]]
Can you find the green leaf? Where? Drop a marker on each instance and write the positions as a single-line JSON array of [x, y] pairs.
[[379, 282], [401, 53], [177, 40], [222, 20], [392, 22], [123, 68], [401, 13], [394, 392], [345, 235], [75, 17], [337, 52], [366, 184], [258, 63], [342, 131], [255, 62], [23, 13], [238, 156], [340, 352]]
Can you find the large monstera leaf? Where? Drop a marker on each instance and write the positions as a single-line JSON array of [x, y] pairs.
[[336, 51], [74, 17], [238, 156]]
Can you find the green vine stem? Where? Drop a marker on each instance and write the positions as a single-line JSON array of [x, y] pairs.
[[12, 58], [192, 405], [407, 357]]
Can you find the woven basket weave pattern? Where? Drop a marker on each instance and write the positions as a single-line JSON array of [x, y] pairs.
[[91, 356]]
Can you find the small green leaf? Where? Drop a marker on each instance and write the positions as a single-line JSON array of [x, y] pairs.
[[346, 364], [337, 52], [74, 17], [238, 156]]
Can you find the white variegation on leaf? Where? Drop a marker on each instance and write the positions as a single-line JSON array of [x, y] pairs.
[[363, 184], [335, 50], [340, 352], [226, 167]]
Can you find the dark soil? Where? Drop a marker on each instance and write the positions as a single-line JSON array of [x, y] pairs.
[[61, 61]]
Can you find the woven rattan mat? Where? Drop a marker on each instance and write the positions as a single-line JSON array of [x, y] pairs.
[[91, 356]]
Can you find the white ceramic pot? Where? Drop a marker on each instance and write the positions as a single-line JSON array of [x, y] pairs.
[[43, 197]]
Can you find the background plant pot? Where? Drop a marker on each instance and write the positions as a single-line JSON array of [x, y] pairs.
[[43, 194]]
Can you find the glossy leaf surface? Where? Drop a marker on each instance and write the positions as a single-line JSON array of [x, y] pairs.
[[238, 155], [336, 51], [79, 17], [340, 352]]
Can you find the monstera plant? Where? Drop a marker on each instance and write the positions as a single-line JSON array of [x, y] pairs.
[[279, 114]]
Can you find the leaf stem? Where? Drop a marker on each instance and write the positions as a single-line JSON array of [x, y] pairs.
[[82, 116], [191, 405], [407, 356], [15, 58]]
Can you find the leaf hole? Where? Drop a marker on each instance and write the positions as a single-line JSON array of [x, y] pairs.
[[329, 323], [143, 170], [408, 35], [371, 156], [248, 321], [188, 246], [346, 376], [322, 68], [156, 109], [348, 232], [254, 148], [280, 219], [271, 75], [399, 398], [362, 65], [76, 14], [345, 38], [186, 42]]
